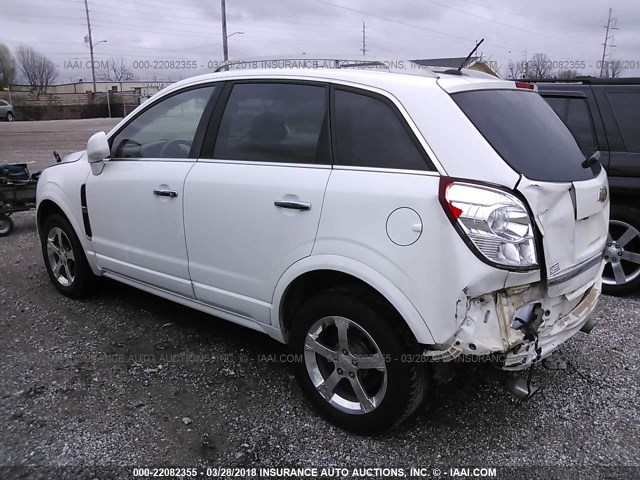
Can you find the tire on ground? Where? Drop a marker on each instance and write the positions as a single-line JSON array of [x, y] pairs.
[[83, 278], [407, 380]]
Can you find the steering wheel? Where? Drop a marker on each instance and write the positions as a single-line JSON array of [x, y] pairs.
[[174, 149]]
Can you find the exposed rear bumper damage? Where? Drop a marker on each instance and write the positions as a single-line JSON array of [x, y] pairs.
[[520, 325]]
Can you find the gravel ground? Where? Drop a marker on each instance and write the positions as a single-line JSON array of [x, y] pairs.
[[125, 378]]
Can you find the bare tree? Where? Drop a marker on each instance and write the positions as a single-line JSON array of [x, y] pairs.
[[7, 66], [567, 74], [612, 69], [515, 70], [540, 66], [37, 69], [116, 71]]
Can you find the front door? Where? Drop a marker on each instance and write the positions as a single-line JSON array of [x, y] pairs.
[[135, 203]]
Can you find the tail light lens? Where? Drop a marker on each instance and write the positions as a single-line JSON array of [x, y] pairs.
[[493, 222]]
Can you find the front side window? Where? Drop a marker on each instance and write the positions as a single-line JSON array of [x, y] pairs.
[[370, 134], [274, 122], [166, 130], [574, 112], [626, 108]]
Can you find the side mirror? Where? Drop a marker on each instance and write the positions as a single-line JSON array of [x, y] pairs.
[[98, 148]]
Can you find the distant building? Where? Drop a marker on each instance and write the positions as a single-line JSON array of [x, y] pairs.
[[144, 89]]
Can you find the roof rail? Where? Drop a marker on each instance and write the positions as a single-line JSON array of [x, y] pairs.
[[405, 66], [301, 63]]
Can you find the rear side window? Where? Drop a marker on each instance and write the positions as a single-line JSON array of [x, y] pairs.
[[574, 112], [526, 133], [274, 122], [369, 133], [626, 108]]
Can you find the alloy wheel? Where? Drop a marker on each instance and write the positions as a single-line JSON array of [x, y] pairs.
[[622, 254], [345, 365], [61, 257]]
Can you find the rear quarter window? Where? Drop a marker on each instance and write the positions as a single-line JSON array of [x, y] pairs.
[[369, 132], [525, 131]]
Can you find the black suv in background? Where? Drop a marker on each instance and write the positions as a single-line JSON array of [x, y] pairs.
[[604, 115]]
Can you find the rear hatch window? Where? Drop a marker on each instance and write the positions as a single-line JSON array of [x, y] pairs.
[[526, 133]]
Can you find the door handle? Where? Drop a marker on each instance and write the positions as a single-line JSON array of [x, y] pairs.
[[166, 193], [292, 205]]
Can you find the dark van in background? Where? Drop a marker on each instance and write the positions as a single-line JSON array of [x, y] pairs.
[[604, 115]]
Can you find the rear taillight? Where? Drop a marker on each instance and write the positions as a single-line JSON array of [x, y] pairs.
[[527, 85], [493, 222]]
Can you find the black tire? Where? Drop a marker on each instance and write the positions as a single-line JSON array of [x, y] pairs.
[[6, 225], [81, 279], [622, 217], [406, 380], [10, 117]]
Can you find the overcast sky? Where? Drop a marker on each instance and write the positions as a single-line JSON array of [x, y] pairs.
[[190, 30]]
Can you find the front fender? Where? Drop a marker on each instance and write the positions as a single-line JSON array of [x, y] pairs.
[[61, 185], [361, 271]]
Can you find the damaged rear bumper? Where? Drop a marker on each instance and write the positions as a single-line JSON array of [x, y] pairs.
[[521, 325], [554, 334]]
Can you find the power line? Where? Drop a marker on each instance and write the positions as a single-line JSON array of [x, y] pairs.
[[606, 40], [93, 68], [364, 39], [500, 23], [406, 24]]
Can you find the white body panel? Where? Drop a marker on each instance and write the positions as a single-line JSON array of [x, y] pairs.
[[433, 271], [136, 233], [239, 242], [573, 224]]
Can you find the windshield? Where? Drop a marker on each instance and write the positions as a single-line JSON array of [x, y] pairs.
[[526, 133]]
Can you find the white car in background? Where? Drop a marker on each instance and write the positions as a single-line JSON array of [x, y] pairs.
[[378, 223], [6, 111]]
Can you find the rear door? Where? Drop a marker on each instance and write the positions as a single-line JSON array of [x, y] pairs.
[[570, 202], [253, 201], [620, 106], [579, 112]]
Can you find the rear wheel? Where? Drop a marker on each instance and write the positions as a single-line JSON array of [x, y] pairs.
[[6, 225], [9, 117], [64, 258], [622, 272], [356, 362]]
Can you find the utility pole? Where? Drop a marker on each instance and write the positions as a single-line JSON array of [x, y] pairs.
[[606, 40], [93, 68], [225, 48], [364, 40]]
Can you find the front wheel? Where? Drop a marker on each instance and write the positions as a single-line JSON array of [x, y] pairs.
[[356, 363], [6, 225], [64, 258], [622, 272], [9, 117]]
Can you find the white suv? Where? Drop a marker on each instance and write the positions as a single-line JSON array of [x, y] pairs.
[[371, 220]]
